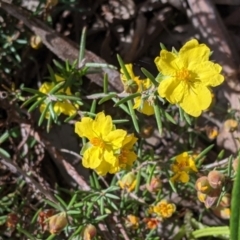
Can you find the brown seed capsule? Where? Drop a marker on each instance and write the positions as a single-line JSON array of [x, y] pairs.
[[147, 131], [89, 232], [215, 179], [57, 223], [12, 220]]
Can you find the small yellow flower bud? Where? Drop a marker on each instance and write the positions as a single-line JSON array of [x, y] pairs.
[[201, 196], [35, 42], [89, 232], [202, 185], [226, 200], [215, 179], [155, 185], [132, 221], [222, 212], [231, 125], [212, 132], [57, 223], [128, 182]]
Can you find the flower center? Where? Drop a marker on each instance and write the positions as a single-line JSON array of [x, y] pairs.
[[183, 74], [97, 142], [123, 156]]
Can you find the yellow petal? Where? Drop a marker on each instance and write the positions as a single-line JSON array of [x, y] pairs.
[[92, 157], [184, 177], [171, 89], [166, 63], [193, 52], [103, 168], [143, 106], [115, 138], [67, 108], [46, 87], [196, 100], [102, 124], [129, 141], [84, 128], [208, 73]]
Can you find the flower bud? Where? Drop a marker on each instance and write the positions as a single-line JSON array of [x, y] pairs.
[[222, 212], [35, 42], [226, 200], [128, 182], [155, 185], [132, 221], [57, 223], [212, 132], [201, 196], [215, 179], [130, 86], [230, 125], [89, 232], [202, 185], [12, 220]]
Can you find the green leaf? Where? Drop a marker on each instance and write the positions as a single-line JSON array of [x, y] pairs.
[[56, 88], [82, 46], [43, 115], [157, 112], [124, 69], [133, 116], [36, 104], [162, 46], [129, 97], [34, 91], [68, 97], [74, 197], [150, 76], [58, 65], [235, 208], [31, 99], [212, 231], [106, 98], [4, 153], [105, 83], [169, 117]]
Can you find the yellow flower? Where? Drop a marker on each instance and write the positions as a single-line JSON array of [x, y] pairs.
[[183, 165], [142, 103], [132, 221], [104, 141], [164, 209], [151, 223], [127, 157], [59, 107], [128, 182], [187, 76]]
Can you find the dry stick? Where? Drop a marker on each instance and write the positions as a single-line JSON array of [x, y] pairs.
[[62, 47], [17, 170], [15, 117], [206, 19]]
